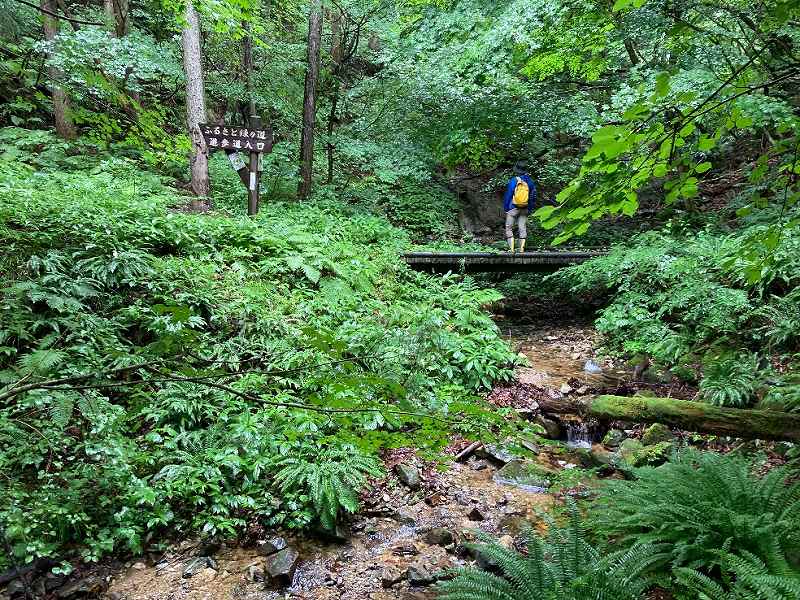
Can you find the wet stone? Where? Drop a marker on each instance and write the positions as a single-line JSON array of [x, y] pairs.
[[409, 475], [628, 448], [272, 546], [391, 576], [613, 438], [476, 514], [439, 536], [498, 454], [281, 566], [405, 516], [551, 428], [196, 565], [592, 367], [405, 549], [478, 465], [91, 586], [524, 474], [255, 573], [419, 575]]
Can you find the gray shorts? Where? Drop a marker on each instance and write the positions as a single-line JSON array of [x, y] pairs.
[[520, 215]]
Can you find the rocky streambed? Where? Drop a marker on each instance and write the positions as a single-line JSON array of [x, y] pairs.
[[414, 524]]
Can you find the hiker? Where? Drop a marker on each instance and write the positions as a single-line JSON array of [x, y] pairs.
[[517, 203]]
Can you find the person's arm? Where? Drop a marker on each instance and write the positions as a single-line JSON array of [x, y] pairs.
[[531, 194], [509, 195]]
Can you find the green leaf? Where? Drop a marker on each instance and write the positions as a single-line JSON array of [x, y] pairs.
[[706, 143], [703, 167], [662, 84]]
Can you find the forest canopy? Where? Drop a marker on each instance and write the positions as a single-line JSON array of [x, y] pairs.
[[202, 342]]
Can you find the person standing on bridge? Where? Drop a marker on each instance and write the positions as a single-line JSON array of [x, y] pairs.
[[517, 204]]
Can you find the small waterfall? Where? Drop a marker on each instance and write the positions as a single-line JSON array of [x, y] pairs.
[[578, 435]]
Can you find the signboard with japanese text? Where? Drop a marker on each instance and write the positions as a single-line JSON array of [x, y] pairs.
[[234, 138]]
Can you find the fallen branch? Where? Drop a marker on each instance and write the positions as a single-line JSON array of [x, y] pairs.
[[691, 416]]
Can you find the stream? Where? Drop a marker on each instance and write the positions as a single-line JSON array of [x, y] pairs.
[[402, 537]]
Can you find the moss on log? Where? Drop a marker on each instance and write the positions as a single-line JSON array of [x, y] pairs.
[[691, 416]]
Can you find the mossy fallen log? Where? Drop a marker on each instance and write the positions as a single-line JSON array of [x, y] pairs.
[[683, 414]]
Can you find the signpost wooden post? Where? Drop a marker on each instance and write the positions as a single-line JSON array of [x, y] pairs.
[[232, 140]]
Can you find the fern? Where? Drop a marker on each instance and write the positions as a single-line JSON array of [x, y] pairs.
[[61, 409], [730, 380], [332, 478], [699, 503], [560, 566], [745, 577], [42, 361]]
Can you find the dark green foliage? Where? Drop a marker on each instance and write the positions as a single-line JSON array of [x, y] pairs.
[[730, 380], [332, 478], [681, 302], [745, 577], [560, 566], [103, 270], [700, 503], [429, 211]]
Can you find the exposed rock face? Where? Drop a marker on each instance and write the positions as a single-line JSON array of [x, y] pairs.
[[551, 428], [409, 475]]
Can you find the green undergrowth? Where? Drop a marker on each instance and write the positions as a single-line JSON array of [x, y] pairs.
[[207, 371], [721, 308]]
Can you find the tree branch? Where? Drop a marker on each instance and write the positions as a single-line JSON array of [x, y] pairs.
[[58, 16]]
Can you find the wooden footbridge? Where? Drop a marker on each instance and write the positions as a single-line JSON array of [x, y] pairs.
[[542, 261]]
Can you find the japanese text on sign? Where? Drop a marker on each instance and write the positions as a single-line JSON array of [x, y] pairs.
[[237, 138]]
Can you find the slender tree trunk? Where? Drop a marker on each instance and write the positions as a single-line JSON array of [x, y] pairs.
[[118, 13], [309, 99], [195, 106], [692, 416], [335, 20], [331, 121], [64, 126]]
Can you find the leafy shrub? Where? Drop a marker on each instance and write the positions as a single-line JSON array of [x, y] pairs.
[[700, 503], [562, 566], [680, 301], [430, 211], [252, 330]]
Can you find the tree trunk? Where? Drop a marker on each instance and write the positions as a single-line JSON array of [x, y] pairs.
[[331, 121], [64, 126], [195, 106], [309, 100], [691, 416], [117, 12]]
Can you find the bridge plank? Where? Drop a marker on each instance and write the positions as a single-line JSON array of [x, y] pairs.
[[495, 262]]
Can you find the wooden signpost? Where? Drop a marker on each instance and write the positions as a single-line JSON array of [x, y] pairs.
[[232, 140]]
